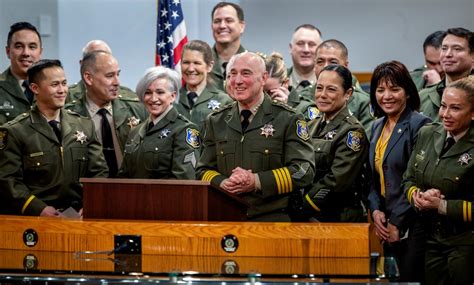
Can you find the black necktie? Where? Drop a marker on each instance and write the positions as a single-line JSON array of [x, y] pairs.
[[108, 143], [320, 127], [55, 126], [150, 126], [305, 83], [224, 67], [27, 92], [191, 96], [246, 115], [447, 145]]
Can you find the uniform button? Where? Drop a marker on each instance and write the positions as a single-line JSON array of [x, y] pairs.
[[156, 148], [457, 178], [222, 152], [267, 151], [83, 158], [38, 164], [8, 114], [319, 148]]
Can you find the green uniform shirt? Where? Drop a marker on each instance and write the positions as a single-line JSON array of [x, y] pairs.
[[217, 73], [13, 101], [431, 100], [166, 151], [341, 149], [78, 90], [303, 105], [208, 101], [417, 77], [38, 171], [275, 145], [127, 113], [452, 174]]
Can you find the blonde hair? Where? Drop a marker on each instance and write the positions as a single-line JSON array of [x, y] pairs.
[[275, 66], [467, 85]]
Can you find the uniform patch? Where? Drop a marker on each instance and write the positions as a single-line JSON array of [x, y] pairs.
[[80, 137], [133, 122], [192, 137], [302, 130], [420, 156], [267, 130], [465, 158], [3, 139], [313, 113], [354, 139], [213, 104]]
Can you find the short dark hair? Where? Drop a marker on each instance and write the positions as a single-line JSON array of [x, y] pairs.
[[308, 27], [334, 43], [396, 73], [35, 72], [434, 40], [343, 72], [463, 33], [238, 9], [19, 27]]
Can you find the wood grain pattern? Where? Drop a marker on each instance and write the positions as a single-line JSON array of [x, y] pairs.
[[191, 238]]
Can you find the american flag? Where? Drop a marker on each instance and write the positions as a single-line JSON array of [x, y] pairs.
[[170, 34]]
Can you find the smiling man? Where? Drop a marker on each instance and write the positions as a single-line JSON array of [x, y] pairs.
[[457, 60], [228, 25], [45, 151], [113, 115], [256, 147], [23, 49]]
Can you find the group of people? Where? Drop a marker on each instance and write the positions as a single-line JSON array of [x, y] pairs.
[[301, 143]]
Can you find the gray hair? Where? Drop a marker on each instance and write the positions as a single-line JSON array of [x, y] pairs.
[[95, 45], [261, 62], [153, 73]]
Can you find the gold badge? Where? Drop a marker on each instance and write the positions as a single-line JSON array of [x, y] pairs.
[[133, 122], [302, 130], [80, 137], [267, 130]]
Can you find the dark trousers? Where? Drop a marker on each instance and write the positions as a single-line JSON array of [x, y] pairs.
[[450, 261]]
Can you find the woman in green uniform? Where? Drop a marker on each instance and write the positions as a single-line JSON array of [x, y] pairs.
[[439, 184], [198, 98], [165, 145], [341, 149]]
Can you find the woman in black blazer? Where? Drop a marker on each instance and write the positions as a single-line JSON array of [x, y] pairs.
[[396, 101]]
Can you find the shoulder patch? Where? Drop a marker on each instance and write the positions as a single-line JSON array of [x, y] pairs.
[[193, 138], [302, 130], [313, 113], [354, 139], [3, 139]]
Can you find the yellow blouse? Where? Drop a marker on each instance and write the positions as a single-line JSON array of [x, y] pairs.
[[382, 143]]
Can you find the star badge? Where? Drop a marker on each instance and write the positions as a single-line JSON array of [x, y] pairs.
[[465, 158], [267, 130], [213, 105], [330, 135], [164, 133], [80, 137], [133, 122]]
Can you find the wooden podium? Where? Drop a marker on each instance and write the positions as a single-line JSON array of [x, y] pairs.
[[156, 199]]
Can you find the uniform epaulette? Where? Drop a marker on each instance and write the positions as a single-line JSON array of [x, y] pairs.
[[352, 119], [19, 118], [73, 113], [225, 107], [128, 99], [182, 117], [283, 105]]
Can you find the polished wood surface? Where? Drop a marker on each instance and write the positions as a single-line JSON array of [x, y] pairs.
[[156, 199], [191, 238], [363, 77]]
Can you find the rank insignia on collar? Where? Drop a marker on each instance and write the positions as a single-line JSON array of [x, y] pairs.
[[192, 138], [330, 135], [302, 130], [7, 106], [164, 133], [213, 104], [133, 122], [354, 140], [80, 137], [3, 139], [313, 113], [267, 130], [420, 156], [465, 158]]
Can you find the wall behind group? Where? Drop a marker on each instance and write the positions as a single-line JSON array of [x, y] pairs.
[[373, 30]]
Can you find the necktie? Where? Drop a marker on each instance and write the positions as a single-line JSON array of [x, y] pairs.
[[224, 67], [191, 96], [108, 143], [27, 92], [305, 83], [320, 127], [246, 116], [447, 145], [55, 126], [150, 126]]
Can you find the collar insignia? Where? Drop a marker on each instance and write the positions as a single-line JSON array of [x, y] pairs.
[[133, 122], [465, 158], [213, 104]]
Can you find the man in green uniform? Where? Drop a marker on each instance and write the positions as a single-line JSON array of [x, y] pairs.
[[304, 42], [457, 59], [227, 27], [45, 151], [23, 49], [77, 90], [335, 52], [256, 148], [431, 73], [104, 105]]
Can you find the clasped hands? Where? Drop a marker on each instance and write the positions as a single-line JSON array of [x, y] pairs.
[[428, 200], [240, 181]]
